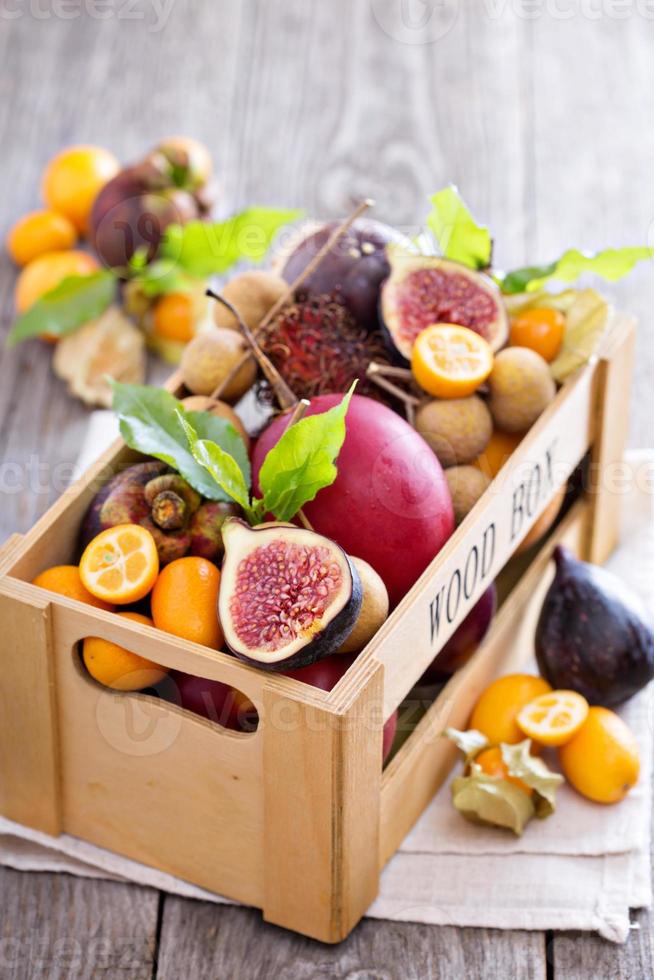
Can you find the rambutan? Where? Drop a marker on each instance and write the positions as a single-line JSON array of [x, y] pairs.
[[319, 348]]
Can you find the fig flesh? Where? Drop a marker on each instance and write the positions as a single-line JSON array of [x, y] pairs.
[[288, 596], [390, 504], [593, 635], [424, 289], [352, 272]]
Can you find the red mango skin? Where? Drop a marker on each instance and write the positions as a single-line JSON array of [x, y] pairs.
[[390, 504], [214, 700], [326, 673]]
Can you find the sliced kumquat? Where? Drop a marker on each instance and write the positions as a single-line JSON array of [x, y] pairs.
[[553, 718], [449, 361], [121, 564]]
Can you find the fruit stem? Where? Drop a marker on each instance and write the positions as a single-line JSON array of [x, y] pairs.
[[283, 393], [310, 267], [376, 374], [298, 413]]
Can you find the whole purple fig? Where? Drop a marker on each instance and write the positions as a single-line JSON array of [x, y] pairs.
[[593, 634]]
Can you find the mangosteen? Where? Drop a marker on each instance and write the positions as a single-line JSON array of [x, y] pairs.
[[352, 272], [288, 596], [152, 495], [134, 209]]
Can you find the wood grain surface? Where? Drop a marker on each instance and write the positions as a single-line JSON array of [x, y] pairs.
[[542, 115]]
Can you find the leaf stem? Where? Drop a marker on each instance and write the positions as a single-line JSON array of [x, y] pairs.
[[283, 393]]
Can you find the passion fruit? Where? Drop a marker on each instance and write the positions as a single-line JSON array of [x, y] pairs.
[[352, 272], [325, 674], [464, 641], [422, 290], [288, 596]]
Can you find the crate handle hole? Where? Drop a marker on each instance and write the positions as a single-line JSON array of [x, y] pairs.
[[198, 697]]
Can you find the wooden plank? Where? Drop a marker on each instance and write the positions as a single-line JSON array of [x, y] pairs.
[[585, 956], [322, 775], [204, 940], [29, 750], [448, 589], [606, 464], [425, 760], [56, 926]]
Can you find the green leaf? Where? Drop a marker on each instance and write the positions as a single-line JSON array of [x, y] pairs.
[[76, 300], [458, 235], [610, 264], [201, 248], [150, 423], [222, 467], [302, 462], [533, 771]]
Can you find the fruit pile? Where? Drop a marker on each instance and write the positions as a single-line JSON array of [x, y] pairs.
[[290, 552], [150, 249], [594, 646]]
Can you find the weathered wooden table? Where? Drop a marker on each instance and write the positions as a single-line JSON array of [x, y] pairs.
[[541, 112]]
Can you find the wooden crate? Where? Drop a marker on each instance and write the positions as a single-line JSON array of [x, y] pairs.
[[296, 818]]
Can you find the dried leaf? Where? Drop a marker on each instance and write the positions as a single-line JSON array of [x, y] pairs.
[[492, 800], [587, 317], [533, 771], [471, 743], [109, 346]]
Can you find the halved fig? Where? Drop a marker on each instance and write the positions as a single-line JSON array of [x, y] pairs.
[[425, 289], [288, 596]]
